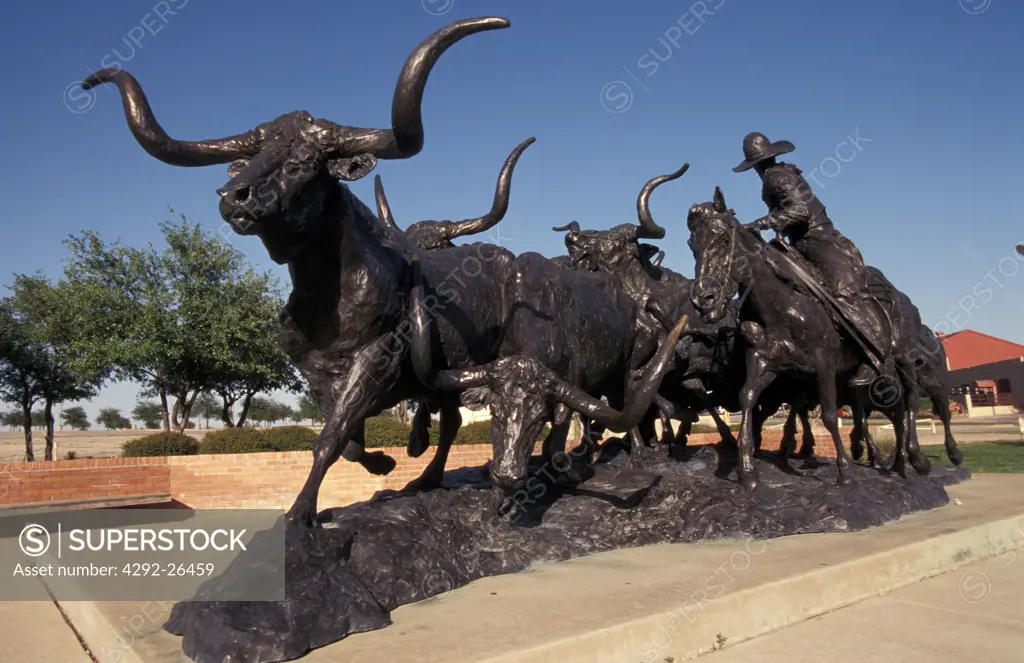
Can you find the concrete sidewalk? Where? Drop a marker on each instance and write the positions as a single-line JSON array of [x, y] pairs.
[[972, 614], [803, 598], [35, 632]]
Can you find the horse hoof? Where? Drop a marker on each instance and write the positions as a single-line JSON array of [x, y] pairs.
[[921, 464], [956, 457], [378, 463], [856, 451], [897, 465]]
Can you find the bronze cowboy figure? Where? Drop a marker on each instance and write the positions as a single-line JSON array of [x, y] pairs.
[[797, 214]]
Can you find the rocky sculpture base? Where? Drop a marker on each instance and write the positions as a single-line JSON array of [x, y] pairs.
[[372, 557]]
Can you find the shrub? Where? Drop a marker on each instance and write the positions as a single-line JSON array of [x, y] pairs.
[[478, 432], [289, 438], [160, 444], [234, 441], [384, 431]]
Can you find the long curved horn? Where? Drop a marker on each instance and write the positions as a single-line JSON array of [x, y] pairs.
[[453, 229], [658, 258], [574, 226], [422, 350], [154, 139], [383, 209], [405, 137], [639, 399], [648, 228]]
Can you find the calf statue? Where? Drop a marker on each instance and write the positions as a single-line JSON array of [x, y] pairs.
[[350, 272]]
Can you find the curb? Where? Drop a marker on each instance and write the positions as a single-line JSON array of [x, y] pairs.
[[742, 615]]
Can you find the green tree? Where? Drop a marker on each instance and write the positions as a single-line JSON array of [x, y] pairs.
[[310, 409], [11, 419], [37, 329], [262, 410], [190, 318], [208, 407], [148, 412], [75, 418], [112, 419]]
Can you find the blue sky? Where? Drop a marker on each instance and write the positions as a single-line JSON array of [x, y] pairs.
[[615, 92]]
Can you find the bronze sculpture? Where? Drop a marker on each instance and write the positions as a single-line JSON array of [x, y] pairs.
[[284, 189], [796, 213], [788, 329], [376, 317]]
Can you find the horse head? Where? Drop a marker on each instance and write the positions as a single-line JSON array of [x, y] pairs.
[[716, 236]]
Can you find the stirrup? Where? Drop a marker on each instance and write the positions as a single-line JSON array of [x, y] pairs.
[[864, 376]]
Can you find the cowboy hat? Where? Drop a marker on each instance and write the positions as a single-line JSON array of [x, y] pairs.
[[757, 148]]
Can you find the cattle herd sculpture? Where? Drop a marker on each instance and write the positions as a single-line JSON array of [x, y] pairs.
[[378, 315]]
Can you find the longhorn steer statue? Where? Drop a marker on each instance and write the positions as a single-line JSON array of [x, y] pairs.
[[433, 236], [551, 315], [350, 273], [663, 296], [569, 341]]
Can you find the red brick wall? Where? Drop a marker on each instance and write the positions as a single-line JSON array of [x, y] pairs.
[[267, 480], [93, 478]]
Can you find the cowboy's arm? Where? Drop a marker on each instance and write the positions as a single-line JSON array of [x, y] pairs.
[[791, 213]]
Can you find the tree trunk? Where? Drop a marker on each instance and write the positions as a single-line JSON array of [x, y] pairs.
[[26, 412], [245, 408], [402, 412], [183, 406], [226, 415], [48, 413], [161, 390]]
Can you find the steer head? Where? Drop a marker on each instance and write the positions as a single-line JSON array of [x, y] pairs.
[[284, 173], [616, 249]]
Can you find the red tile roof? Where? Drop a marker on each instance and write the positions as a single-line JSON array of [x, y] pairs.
[[968, 348]]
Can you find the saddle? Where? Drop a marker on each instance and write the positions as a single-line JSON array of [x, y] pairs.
[[879, 299]]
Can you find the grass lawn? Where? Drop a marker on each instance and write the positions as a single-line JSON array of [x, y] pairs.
[[984, 456]]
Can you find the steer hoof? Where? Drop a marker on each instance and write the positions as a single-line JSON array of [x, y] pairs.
[[302, 513], [377, 462], [749, 479]]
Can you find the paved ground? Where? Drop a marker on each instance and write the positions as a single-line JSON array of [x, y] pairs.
[[972, 614], [35, 632]]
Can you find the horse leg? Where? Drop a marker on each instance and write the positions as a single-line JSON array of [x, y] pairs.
[[789, 430], [862, 429], [911, 401], [830, 418], [940, 406], [898, 462], [857, 434], [807, 432], [757, 380], [433, 473]]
